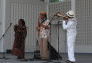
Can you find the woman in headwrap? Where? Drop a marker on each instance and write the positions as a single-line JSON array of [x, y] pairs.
[[19, 41]]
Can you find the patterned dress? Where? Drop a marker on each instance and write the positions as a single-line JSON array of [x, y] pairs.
[[44, 32], [19, 42]]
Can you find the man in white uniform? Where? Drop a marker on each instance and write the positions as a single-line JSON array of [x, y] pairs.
[[69, 24]]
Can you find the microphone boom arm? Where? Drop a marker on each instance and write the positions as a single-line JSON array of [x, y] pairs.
[[6, 31]]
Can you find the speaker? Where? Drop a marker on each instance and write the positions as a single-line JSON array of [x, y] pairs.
[[8, 51]]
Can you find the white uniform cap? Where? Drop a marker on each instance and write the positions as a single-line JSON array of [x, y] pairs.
[[70, 13]]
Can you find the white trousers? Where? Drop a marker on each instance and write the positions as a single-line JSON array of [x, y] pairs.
[[70, 45]]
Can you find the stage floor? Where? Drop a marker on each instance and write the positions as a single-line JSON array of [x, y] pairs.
[[81, 58]]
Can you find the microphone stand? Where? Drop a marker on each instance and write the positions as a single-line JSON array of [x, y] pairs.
[[2, 38], [58, 39]]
